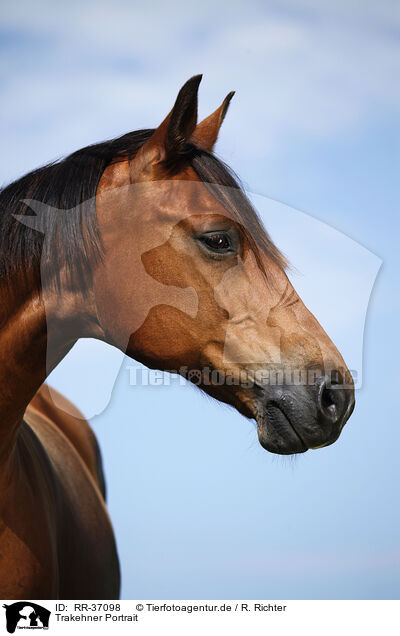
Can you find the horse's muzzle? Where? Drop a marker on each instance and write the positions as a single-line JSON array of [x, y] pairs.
[[296, 418]]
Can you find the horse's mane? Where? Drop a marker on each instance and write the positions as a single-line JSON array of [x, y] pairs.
[[71, 184]]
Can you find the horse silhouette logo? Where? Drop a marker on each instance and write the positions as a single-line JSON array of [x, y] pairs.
[[26, 615]]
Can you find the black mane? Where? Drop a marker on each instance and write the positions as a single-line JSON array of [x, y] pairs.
[[71, 184]]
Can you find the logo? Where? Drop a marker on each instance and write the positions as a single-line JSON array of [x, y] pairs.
[[26, 615]]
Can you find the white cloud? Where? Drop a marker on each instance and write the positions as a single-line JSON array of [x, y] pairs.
[[98, 69]]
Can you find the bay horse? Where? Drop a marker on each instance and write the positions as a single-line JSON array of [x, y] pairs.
[[146, 242]]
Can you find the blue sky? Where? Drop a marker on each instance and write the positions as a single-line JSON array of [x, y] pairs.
[[200, 510]]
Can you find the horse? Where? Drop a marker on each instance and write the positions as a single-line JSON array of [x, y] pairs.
[[149, 243]]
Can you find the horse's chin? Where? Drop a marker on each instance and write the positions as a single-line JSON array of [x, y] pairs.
[[277, 434]]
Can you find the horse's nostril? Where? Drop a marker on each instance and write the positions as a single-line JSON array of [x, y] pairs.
[[327, 399], [333, 401]]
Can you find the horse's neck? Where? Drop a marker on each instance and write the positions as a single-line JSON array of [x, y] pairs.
[[36, 331]]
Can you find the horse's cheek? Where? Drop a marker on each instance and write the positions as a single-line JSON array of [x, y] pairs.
[[167, 339]]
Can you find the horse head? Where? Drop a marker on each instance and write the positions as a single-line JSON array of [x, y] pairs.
[[190, 281]]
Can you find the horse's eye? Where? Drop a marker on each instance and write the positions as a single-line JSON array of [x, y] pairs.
[[217, 242]]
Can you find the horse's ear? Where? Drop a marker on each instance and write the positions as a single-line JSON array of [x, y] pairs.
[[166, 145], [206, 133]]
